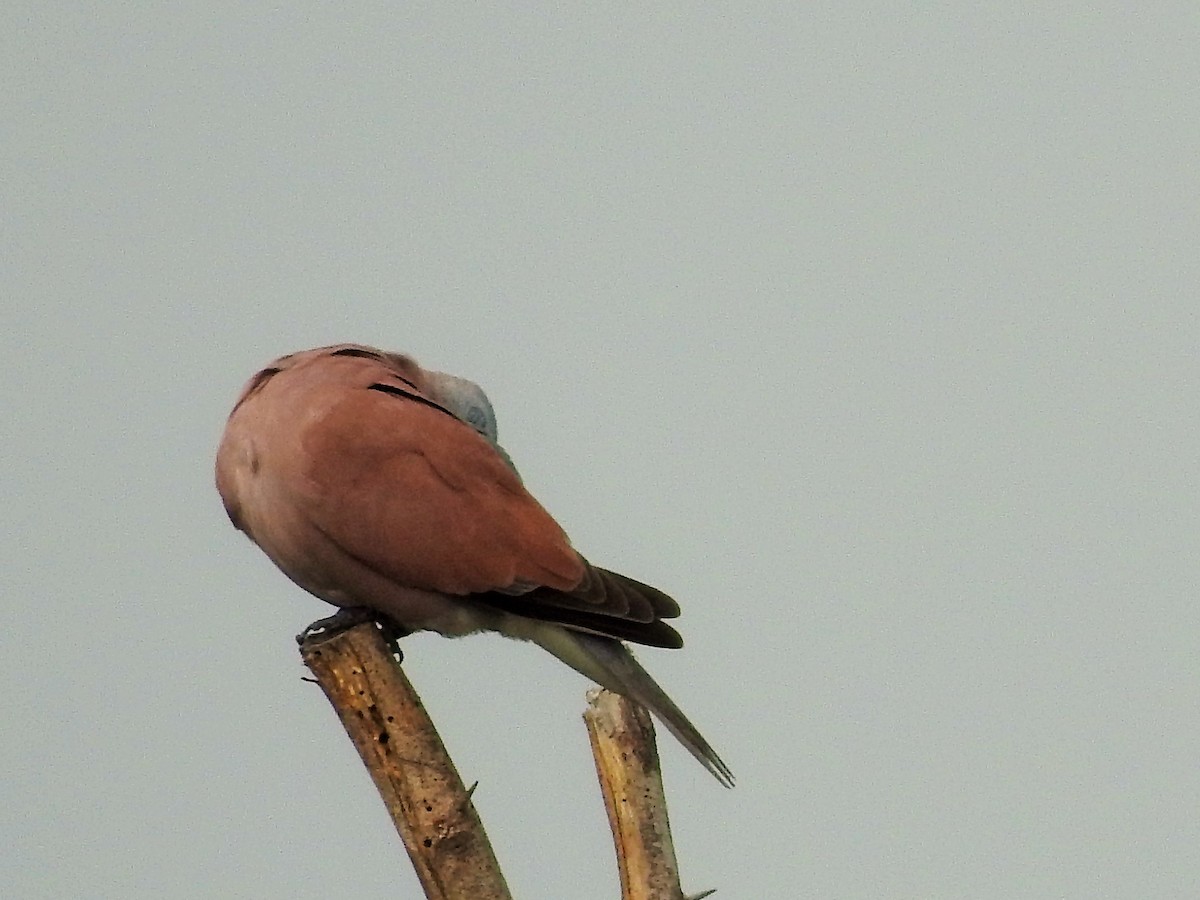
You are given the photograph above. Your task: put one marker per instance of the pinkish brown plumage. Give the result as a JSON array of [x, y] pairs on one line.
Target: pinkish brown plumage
[[370, 481]]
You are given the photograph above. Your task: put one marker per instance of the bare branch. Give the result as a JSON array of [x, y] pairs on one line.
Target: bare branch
[[401, 749], [622, 738]]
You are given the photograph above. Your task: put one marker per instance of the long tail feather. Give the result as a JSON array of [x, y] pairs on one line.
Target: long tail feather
[[610, 664]]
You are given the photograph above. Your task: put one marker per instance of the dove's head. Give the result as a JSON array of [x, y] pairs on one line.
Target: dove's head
[[465, 399]]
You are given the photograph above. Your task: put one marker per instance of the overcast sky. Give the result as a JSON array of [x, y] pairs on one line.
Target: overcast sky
[[868, 333]]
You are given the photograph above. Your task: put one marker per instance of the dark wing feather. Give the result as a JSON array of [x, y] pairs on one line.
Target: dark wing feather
[[431, 504], [605, 603]]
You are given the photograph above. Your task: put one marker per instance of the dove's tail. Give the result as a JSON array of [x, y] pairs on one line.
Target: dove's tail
[[609, 663]]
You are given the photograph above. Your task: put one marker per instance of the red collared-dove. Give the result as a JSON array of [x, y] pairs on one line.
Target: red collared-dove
[[372, 482]]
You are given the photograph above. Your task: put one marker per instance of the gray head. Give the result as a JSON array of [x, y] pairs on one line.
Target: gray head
[[467, 401]]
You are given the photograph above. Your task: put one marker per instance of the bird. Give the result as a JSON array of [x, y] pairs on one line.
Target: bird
[[375, 483]]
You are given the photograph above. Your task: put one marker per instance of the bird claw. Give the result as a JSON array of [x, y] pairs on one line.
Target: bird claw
[[350, 616], [392, 632], [342, 620]]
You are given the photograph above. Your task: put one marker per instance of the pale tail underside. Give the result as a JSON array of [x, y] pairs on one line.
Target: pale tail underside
[[609, 663]]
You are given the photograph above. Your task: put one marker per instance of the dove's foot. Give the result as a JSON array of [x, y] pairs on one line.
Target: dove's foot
[[342, 620], [392, 632], [350, 616]]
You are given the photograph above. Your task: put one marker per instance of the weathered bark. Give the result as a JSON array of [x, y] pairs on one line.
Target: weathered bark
[[622, 738], [401, 749]]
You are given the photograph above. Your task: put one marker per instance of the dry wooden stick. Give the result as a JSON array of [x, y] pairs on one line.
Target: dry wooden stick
[[622, 738], [401, 749]]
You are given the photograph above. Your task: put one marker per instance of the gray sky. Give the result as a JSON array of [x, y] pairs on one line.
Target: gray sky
[[869, 335]]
